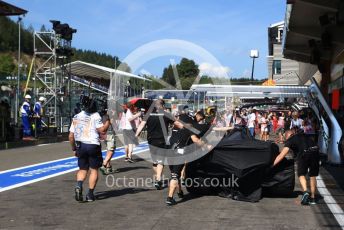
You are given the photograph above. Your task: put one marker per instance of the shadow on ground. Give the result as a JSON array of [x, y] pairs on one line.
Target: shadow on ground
[[116, 193], [126, 169]]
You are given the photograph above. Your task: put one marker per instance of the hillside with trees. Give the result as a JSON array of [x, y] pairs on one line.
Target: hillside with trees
[[187, 70], [9, 49]]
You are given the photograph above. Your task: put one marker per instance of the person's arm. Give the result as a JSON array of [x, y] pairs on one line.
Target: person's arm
[[104, 128], [198, 141], [180, 125], [133, 117], [72, 142], [100, 126], [223, 128], [139, 129], [280, 156], [71, 138]]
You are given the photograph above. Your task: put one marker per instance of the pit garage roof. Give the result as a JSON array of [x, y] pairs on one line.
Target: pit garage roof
[[80, 68], [303, 24], [7, 9], [251, 91]]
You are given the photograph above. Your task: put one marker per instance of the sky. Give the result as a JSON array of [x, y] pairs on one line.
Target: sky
[[227, 29]]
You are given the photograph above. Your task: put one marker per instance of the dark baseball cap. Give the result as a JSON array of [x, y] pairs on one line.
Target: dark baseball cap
[[201, 113]]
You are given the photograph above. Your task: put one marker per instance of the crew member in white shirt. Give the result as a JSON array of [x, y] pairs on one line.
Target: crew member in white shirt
[[25, 111], [84, 138]]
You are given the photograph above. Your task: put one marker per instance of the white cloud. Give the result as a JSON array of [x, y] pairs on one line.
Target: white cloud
[[246, 73], [213, 71]]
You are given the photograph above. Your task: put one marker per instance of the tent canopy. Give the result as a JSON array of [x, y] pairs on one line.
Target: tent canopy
[[80, 68]]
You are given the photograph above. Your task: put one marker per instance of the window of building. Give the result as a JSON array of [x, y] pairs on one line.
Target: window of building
[[276, 67], [280, 35]]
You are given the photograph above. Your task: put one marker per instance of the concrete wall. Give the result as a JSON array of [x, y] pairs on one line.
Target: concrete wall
[[289, 68]]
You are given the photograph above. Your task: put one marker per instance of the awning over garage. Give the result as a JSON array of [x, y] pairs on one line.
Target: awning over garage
[[84, 69], [251, 91], [313, 29]]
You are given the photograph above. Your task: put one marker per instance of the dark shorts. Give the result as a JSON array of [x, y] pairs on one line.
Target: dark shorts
[[89, 156], [176, 171], [157, 151], [308, 163], [129, 137]]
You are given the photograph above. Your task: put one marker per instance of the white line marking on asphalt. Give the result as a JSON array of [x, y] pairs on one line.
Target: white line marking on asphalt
[[28, 166], [54, 175], [36, 180], [47, 162], [336, 210], [43, 144]]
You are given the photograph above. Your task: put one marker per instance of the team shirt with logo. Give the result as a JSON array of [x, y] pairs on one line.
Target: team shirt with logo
[[84, 127]]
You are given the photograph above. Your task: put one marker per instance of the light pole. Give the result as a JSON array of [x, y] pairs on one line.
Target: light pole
[[204, 104], [253, 54], [18, 76], [194, 99]]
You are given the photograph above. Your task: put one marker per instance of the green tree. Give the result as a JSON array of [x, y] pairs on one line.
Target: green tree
[[168, 76], [123, 67], [205, 80], [27, 40], [187, 68], [187, 73], [246, 81], [8, 34], [43, 29], [7, 66], [9, 44]]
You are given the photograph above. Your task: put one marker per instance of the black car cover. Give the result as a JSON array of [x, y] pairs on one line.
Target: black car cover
[[238, 165], [280, 180]]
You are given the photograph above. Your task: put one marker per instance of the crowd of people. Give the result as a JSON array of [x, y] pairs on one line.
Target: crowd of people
[[172, 133], [261, 123]]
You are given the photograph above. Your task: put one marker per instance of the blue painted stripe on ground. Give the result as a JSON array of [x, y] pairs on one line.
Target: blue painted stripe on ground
[[10, 178]]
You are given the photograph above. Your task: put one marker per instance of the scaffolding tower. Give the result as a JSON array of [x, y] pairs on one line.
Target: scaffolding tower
[[49, 81]]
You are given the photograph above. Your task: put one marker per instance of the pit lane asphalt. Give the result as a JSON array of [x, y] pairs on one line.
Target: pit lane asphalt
[[50, 204]]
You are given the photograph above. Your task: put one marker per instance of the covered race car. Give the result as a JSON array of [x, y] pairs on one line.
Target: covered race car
[[239, 167]]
